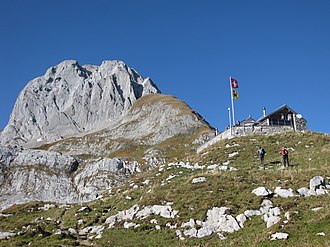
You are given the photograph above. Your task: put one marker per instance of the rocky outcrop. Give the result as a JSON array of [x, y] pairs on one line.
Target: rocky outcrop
[[36, 175], [151, 120], [71, 99]]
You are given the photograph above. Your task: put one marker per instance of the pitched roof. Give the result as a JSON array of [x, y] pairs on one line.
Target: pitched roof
[[278, 109]]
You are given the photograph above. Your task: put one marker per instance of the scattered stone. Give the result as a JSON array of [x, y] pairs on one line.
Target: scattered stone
[[169, 225], [164, 211], [146, 182], [198, 180], [232, 154], [266, 203], [92, 230], [129, 224], [204, 231], [46, 207], [178, 233], [316, 209], [170, 177], [320, 234], [6, 235], [287, 215], [241, 218], [80, 222], [39, 219], [84, 209], [262, 191], [250, 213], [190, 224], [212, 167], [5, 215], [233, 145], [221, 236], [157, 227], [58, 232], [284, 192], [315, 183], [303, 191], [321, 191], [279, 236], [272, 220], [72, 231], [154, 221], [226, 163], [219, 221], [192, 232], [223, 168]]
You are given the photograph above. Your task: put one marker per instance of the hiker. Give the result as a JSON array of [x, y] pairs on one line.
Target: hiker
[[285, 156], [261, 154]]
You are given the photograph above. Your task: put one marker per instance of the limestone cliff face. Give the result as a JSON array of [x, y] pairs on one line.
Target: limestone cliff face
[[71, 99], [36, 175], [151, 120], [102, 109]]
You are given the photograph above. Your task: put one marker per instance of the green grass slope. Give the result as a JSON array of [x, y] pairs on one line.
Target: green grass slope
[[309, 155]]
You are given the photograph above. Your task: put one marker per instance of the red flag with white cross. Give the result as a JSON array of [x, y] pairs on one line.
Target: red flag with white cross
[[234, 82]]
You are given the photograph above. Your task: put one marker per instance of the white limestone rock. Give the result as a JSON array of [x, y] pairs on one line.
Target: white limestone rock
[[178, 233], [218, 221], [303, 191], [190, 224], [315, 183], [262, 191], [72, 231], [272, 220], [250, 213], [279, 191], [241, 218], [71, 99], [6, 235], [192, 232], [204, 231], [129, 224], [164, 211], [279, 236], [198, 180]]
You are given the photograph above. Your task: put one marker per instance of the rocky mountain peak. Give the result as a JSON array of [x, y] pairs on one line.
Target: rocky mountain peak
[[72, 99]]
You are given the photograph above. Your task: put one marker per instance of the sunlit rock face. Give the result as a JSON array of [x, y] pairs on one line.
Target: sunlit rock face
[[71, 99]]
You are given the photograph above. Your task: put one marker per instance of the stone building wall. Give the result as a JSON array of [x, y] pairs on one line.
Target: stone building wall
[[301, 124], [238, 131]]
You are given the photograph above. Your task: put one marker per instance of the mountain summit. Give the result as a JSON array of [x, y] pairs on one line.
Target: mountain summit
[[71, 99]]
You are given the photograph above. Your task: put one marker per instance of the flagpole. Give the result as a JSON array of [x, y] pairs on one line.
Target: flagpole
[[229, 117], [232, 101]]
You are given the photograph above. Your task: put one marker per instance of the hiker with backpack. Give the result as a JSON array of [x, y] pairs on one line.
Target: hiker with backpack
[[285, 156], [261, 154]]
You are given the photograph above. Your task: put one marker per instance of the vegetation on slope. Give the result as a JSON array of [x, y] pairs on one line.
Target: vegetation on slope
[[309, 156]]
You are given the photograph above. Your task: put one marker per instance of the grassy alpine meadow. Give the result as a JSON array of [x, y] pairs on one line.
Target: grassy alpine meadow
[[305, 219]]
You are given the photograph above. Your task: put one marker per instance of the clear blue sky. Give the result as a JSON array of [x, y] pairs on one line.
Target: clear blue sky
[[279, 51]]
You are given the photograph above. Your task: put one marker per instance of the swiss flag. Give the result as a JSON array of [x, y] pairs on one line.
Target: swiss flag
[[234, 83]]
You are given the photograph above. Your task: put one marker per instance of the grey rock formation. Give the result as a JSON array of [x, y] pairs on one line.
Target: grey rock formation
[[30, 175], [151, 120], [316, 183], [71, 99]]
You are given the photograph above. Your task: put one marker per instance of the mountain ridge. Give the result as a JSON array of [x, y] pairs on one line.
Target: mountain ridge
[[70, 99]]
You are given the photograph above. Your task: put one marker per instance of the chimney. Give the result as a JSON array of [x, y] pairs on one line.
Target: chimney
[[264, 111]]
